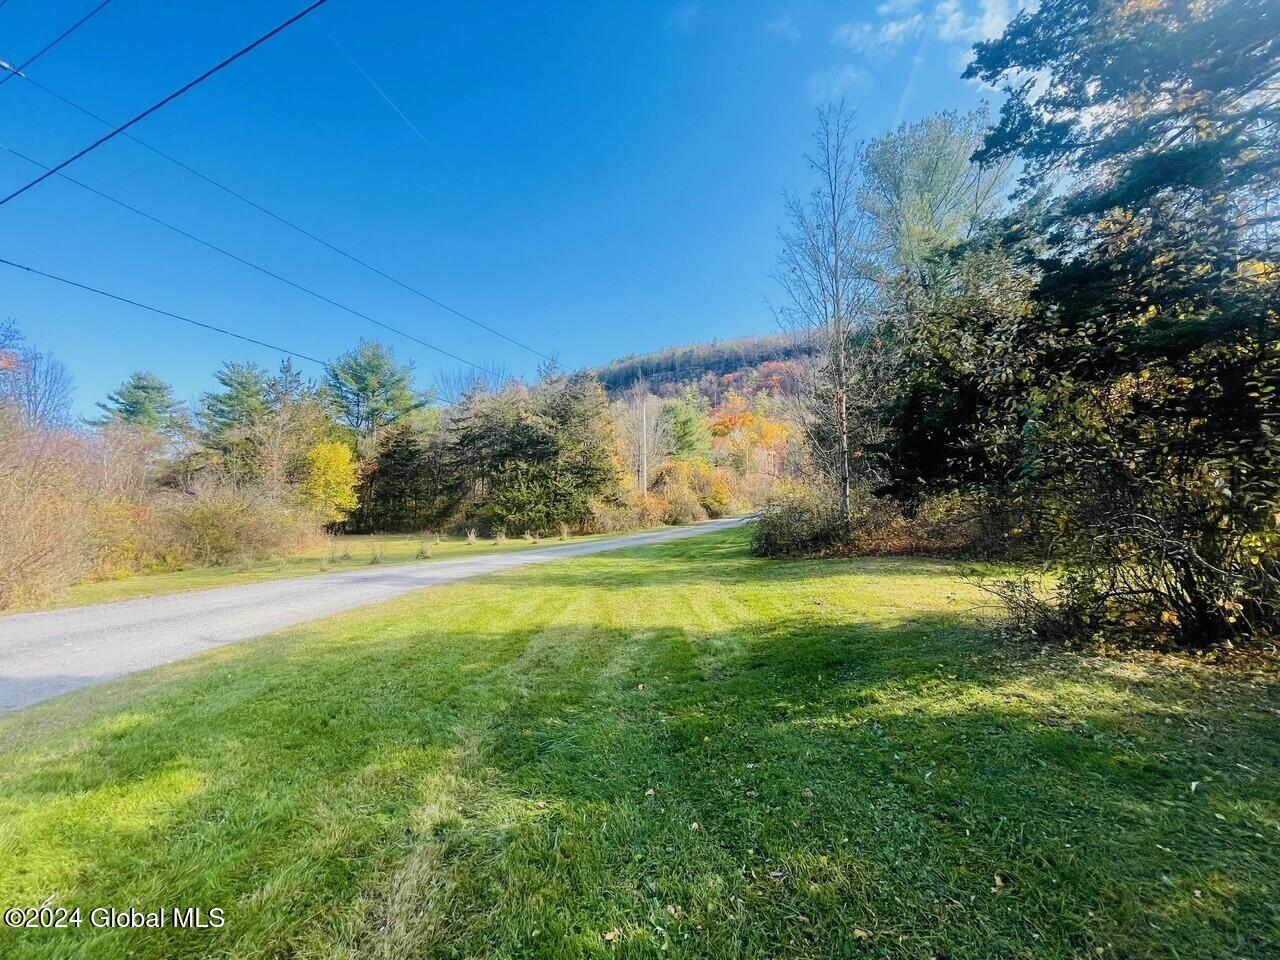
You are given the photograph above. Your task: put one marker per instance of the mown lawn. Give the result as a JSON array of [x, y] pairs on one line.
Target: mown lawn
[[340, 553], [675, 751]]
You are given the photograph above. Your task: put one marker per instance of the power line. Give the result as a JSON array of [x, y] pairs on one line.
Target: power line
[[248, 263], [51, 44], [163, 313], [116, 131], [171, 315], [291, 224]]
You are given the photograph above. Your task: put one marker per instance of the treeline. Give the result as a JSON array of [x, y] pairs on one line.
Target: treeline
[[1081, 366], [268, 461], [746, 365], [558, 454]]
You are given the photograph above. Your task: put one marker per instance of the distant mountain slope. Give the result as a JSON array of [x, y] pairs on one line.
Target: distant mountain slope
[[747, 364]]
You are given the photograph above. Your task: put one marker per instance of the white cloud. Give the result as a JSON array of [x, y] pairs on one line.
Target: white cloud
[[996, 15], [951, 21], [682, 17], [954, 24], [838, 82], [863, 37], [784, 27]]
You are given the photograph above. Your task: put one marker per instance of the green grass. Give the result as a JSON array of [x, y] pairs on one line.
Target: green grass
[[342, 553], [675, 751]]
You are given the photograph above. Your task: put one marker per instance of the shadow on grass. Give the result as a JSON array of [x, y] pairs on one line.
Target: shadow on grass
[[788, 786]]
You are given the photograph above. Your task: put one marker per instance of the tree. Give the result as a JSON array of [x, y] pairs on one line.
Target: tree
[[1139, 383], [829, 285], [923, 191], [686, 428], [371, 389], [297, 417], [330, 487], [230, 417], [745, 431], [36, 385], [531, 459], [144, 400], [227, 414], [403, 488], [644, 430]]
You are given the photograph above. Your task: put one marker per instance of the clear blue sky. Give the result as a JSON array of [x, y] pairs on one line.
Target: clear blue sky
[[597, 179]]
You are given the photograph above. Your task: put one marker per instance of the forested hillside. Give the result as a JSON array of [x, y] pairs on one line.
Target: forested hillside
[[747, 365]]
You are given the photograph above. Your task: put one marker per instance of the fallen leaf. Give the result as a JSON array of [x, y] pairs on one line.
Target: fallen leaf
[[860, 934], [612, 935]]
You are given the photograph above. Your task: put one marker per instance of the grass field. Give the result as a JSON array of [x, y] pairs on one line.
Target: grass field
[[341, 553], [673, 751]]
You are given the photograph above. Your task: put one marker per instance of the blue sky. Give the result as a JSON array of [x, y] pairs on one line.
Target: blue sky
[[596, 179]]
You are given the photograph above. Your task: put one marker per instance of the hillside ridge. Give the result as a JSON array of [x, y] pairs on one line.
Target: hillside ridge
[[770, 362]]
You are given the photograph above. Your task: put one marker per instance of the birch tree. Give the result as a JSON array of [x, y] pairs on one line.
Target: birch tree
[[829, 287]]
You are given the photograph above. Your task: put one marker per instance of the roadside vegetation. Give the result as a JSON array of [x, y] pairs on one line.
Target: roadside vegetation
[[1082, 373], [269, 465], [679, 750]]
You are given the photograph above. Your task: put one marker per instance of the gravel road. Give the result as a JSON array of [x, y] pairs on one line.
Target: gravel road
[[43, 655]]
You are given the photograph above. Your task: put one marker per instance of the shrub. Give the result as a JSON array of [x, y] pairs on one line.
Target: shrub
[[798, 521], [45, 518], [224, 524], [674, 485], [713, 488], [608, 517], [132, 537], [941, 524], [683, 507]]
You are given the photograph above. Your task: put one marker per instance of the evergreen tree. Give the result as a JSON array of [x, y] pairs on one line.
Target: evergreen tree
[[1122, 389], [401, 488], [144, 400], [687, 432], [230, 416], [371, 389]]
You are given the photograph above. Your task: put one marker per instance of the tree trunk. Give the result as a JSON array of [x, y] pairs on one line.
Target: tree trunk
[[842, 426]]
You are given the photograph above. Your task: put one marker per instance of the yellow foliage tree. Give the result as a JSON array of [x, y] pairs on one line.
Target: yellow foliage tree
[[330, 488], [746, 432]]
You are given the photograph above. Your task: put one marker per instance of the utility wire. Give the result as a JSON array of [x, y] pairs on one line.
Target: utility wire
[[248, 263], [291, 224], [51, 44], [163, 313], [171, 315], [116, 131]]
